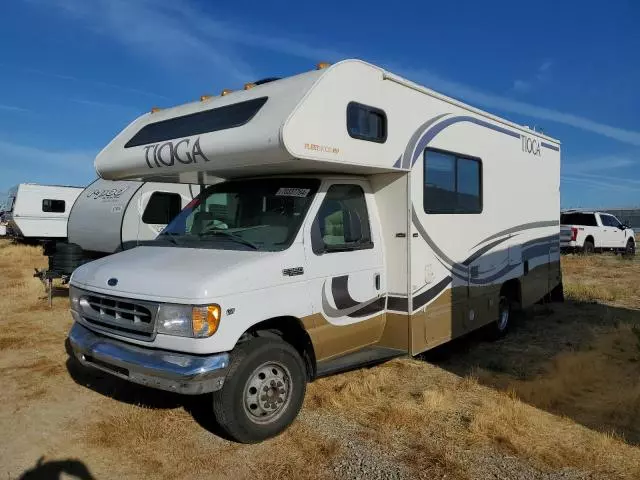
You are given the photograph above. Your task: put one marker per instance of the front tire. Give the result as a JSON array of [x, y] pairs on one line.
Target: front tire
[[630, 249], [263, 391]]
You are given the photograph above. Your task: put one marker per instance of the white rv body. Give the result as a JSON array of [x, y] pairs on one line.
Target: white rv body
[[447, 215], [40, 212]]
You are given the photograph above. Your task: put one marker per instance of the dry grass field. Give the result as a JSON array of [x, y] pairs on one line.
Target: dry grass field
[[559, 397]]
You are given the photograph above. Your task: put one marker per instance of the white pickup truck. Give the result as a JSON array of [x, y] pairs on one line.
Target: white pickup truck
[[588, 232]]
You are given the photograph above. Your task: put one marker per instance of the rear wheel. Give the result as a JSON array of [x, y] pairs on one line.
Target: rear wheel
[[588, 248], [263, 391], [630, 249], [500, 326]]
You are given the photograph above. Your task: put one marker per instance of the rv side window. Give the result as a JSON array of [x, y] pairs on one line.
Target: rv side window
[[366, 123], [162, 208], [53, 206], [342, 223], [452, 183]]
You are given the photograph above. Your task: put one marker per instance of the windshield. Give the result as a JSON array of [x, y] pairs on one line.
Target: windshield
[[261, 214]]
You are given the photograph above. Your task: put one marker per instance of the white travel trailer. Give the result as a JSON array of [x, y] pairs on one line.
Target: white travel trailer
[[363, 217], [39, 212], [110, 216], [116, 215]]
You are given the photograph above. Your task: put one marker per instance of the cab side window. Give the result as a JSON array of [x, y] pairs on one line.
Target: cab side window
[[342, 223], [606, 220], [610, 221]]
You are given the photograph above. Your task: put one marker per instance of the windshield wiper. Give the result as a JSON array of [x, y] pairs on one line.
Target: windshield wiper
[[231, 236], [170, 237]]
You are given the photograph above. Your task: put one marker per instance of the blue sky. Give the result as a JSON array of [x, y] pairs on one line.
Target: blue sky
[[75, 72]]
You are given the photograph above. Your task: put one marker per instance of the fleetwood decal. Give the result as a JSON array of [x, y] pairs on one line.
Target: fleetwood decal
[[168, 154], [321, 148]]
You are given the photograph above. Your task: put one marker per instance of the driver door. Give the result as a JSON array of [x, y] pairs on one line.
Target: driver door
[[613, 235], [345, 264]]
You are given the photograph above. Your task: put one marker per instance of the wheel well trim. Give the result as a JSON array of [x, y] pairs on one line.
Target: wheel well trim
[[303, 343]]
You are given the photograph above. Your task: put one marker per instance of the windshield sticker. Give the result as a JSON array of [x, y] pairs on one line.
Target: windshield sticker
[[293, 192]]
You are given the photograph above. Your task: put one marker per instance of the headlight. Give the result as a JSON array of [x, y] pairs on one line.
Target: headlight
[[74, 298], [188, 321]]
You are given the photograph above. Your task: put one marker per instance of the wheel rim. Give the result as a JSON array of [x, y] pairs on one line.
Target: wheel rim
[[503, 319], [630, 247], [267, 392]]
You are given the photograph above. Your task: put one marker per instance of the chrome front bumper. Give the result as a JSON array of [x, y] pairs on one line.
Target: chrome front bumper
[[172, 371]]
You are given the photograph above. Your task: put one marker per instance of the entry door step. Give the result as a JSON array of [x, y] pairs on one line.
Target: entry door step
[[361, 358]]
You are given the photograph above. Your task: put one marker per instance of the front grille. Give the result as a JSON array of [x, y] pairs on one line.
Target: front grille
[[119, 309], [122, 316]]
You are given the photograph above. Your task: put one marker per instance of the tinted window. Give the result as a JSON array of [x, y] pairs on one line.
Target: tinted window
[[366, 123], [583, 219], [54, 206], [162, 208], [342, 222], [609, 221], [452, 184], [220, 118]]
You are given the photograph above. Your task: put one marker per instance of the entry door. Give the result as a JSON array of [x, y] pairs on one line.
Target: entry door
[[345, 270]]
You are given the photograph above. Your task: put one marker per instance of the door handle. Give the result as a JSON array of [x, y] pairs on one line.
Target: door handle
[[376, 281]]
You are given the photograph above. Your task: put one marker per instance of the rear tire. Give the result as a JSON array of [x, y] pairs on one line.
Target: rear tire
[[588, 247], [499, 327], [630, 249], [557, 294], [263, 391]]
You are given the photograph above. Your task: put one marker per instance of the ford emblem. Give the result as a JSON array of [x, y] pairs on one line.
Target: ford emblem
[[112, 282]]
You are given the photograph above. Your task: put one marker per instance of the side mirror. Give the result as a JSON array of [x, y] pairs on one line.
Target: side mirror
[[623, 226]]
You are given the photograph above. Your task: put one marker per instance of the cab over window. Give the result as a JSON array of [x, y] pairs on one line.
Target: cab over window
[[342, 223], [53, 206], [452, 184], [162, 208], [366, 123]]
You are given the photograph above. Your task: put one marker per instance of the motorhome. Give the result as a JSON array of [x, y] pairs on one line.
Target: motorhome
[[362, 217], [39, 212]]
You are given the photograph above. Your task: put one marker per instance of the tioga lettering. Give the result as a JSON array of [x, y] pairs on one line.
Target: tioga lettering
[[531, 145], [168, 153]]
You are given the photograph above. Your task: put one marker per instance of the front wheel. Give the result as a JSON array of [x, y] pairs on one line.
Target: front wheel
[[263, 391], [630, 249]]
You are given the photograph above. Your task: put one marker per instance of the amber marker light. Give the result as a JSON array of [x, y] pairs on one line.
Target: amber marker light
[[205, 320]]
